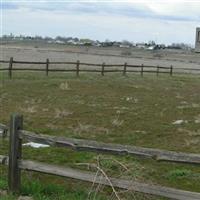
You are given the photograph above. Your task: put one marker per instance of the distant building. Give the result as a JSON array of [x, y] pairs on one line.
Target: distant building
[[141, 45], [124, 45], [197, 43], [59, 42]]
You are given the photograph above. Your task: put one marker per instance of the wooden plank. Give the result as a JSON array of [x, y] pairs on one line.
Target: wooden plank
[[142, 70], [160, 67], [114, 65], [139, 66], [90, 177], [77, 67], [150, 66], [3, 130], [28, 62], [15, 146], [65, 63], [89, 145], [90, 64], [100, 65], [3, 160], [119, 183], [28, 69], [4, 61], [47, 67], [10, 67], [171, 70], [3, 126], [96, 70], [147, 66], [125, 66]]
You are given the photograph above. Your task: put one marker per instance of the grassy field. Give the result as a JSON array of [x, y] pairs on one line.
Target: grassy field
[[115, 109]]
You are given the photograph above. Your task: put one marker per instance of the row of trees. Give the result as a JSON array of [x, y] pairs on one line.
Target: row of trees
[[46, 38], [89, 42]]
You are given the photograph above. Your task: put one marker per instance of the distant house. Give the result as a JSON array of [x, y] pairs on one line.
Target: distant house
[[124, 45], [96, 43], [59, 42], [141, 45], [197, 42], [107, 44], [72, 41], [116, 44], [151, 48]]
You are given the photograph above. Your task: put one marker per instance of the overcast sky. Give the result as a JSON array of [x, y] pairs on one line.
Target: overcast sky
[[165, 21]]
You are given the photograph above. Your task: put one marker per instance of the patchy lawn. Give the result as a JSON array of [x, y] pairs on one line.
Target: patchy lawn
[[160, 112]]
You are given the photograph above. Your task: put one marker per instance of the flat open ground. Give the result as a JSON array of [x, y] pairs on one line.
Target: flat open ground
[[127, 110], [109, 55]]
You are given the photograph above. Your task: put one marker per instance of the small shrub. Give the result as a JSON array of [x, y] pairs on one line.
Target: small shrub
[[177, 173]]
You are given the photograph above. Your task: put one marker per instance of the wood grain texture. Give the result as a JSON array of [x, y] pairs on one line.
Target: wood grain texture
[[88, 145], [119, 183], [15, 150], [130, 185]]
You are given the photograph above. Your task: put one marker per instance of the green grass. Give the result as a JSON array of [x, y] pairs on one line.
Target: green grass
[[126, 110]]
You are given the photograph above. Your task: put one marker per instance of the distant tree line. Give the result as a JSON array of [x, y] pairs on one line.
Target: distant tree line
[[88, 42]]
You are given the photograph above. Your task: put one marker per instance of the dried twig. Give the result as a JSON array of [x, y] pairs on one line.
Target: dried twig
[[118, 162], [93, 184], [105, 175]]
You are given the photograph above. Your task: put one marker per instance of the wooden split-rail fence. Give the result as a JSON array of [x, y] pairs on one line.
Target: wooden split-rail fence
[[96, 68], [99, 68], [16, 163]]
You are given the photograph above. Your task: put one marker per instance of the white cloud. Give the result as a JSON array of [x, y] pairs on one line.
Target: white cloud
[[182, 9], [134, 20]]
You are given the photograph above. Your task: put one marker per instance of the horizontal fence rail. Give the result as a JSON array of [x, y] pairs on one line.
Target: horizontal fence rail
[[108, 181], [3, 160], [3, 130], [16, 163], [101, 68], [90, 145]]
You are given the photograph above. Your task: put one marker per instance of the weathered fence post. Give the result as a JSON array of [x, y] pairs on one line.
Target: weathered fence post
[[124, 71], [142, 69], [102, 69], [10, 67], [47, 67], [157, 71], [15, 149], [171, 70], [77, 67]]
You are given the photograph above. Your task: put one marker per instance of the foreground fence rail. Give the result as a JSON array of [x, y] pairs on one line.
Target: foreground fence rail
[[16, 163]]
